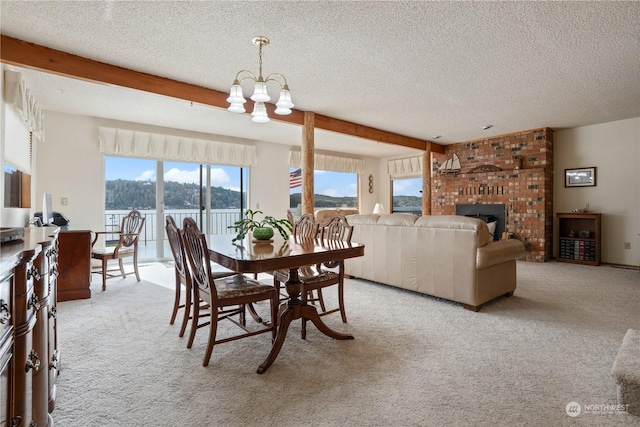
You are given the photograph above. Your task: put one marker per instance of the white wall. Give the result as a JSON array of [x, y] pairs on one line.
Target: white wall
[[368, 200], [69, 165], [614, 149]]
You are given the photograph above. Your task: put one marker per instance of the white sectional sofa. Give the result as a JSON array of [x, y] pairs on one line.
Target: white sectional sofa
[[449, 256]]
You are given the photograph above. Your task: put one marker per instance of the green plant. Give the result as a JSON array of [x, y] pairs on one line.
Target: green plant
[[249, 222]]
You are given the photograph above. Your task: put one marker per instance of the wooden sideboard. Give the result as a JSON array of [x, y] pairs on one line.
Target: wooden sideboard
[[28, 345], [74, 264]]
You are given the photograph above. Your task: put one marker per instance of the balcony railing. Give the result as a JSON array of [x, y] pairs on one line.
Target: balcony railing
[[219, 220]]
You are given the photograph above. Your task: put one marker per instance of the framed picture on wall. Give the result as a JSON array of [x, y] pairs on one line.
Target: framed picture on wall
[[583, 177]]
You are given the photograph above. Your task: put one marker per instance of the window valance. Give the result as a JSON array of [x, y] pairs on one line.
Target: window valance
[[130, 143], [411, 166], [327, 162], [25, 104]]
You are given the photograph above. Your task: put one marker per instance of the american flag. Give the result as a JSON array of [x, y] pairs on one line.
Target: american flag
[[295, 178]]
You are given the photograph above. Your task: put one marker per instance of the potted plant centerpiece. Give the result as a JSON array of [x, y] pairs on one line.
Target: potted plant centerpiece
[[261, 229]]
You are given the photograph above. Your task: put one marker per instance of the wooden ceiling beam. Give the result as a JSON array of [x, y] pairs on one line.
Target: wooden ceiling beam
[[30, 55], [366, 132]]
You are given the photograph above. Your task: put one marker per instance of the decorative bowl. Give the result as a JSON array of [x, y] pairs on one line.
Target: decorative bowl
[[262, 233]]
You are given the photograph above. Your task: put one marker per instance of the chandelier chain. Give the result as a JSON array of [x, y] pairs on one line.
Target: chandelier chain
[[260, 61]]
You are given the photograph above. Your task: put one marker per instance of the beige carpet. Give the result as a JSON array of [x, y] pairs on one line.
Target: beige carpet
[[416, 360]]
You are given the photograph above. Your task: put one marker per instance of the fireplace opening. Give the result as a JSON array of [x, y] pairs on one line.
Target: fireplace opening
[[488, 213]]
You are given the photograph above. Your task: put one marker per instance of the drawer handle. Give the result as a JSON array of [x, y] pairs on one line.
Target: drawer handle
[[33, 362], [5, 313], [33, 302], [53, 313], [16, 421], [33, 272]]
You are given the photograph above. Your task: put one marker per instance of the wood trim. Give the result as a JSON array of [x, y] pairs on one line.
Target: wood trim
[[308, 185], [30, 55], [426, 181]]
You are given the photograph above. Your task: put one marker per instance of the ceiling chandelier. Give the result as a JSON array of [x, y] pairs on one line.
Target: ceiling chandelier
[[260, 95]]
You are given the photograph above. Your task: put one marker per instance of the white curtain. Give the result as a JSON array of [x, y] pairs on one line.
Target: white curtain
[[411, 166], [25, 104], [130, 143], [325, 162], [17, 145]]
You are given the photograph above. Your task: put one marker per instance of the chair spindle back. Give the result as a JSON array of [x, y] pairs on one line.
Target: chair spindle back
[[198, 255]]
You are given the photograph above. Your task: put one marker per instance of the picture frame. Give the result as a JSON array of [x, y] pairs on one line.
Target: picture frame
[[581, 177]]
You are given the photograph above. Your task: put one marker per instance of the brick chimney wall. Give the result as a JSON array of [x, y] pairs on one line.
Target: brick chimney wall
[[524, 184]]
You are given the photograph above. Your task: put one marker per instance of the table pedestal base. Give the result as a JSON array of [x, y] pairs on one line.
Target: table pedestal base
[[292, 310]]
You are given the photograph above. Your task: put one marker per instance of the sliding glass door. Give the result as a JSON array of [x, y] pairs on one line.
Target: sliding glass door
[[130, 184], [214, 196]]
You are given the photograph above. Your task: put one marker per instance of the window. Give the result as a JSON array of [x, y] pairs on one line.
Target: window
[[332, 189], [406, 194], [17, 156]]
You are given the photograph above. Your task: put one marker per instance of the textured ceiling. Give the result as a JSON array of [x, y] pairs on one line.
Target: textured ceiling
[[414, 68]]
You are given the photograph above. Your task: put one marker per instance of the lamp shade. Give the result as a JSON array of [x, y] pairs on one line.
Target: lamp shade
[[282, 111], [378, 208], [260, 113], [236, 108], [285, 99], [235, 95], [260, 92]]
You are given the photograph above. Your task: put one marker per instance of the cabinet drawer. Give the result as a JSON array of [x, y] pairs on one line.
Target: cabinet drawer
[[6, 320]]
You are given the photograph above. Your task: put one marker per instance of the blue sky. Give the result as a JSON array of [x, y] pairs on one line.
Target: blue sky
[[334, 184]]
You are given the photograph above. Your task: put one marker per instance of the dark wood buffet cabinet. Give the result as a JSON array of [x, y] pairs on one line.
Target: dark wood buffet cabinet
[[29, 353]]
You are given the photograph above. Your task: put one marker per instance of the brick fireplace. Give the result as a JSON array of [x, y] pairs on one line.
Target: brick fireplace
[[515, 170]]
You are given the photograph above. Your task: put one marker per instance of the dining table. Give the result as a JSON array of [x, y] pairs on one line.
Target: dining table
[[253, 256]]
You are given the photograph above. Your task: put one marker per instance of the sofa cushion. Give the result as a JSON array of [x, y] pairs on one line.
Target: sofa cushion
[[397, 219], [368, 219], [457, 222]]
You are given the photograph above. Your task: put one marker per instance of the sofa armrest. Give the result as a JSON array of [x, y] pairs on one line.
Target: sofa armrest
[[498, 252]]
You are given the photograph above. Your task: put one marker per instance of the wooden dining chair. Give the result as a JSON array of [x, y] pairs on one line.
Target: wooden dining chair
[[127, 247], [306, 227], [334, 233], [227, 296], [183, 278]]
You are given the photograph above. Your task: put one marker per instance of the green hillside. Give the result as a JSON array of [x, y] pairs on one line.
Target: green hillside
[[126, 194]]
